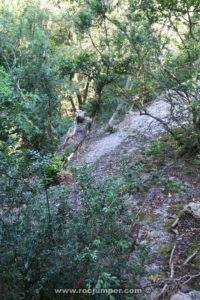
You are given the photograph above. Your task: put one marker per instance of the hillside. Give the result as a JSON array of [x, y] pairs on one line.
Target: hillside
[[99, 149], [160, 196]]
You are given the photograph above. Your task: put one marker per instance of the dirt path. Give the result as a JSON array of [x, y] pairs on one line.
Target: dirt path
[[134, 125]]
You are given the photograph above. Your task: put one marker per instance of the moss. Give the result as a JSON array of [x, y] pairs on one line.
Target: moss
[[148, 218], [154, 217], [175, 209], [181, 214], [195, 246], [165, 253], [177, 212], [168, 223], [166, 250]]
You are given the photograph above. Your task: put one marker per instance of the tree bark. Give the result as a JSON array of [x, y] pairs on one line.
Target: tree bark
[[79, 99], [72, 103], [86, 90], [120, 105]]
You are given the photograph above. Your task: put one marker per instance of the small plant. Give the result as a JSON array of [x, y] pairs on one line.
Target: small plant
[[186, 141], [67, 153], [195, 247], [110, 129], [173, 185], [155, 148], [5, 84], [139, 176], [131, 173], [54, 165], [196, 160], [166, 250], [51, 168]]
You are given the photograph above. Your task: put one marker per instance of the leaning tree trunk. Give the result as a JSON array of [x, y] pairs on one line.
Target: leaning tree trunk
[[120, 105]]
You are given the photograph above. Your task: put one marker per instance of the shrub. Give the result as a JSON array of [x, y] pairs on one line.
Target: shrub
[[62, 246], [5, 84], [54, 165], [154, 148], [186, 141], [51, 168]]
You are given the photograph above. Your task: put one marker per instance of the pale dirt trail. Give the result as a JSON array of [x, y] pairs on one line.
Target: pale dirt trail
[[134, 124]]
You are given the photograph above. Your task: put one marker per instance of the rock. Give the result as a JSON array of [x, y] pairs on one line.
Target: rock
[[144, 281], [77, 132], [193, 295], [180, 296], [185, 288], [194, 209]]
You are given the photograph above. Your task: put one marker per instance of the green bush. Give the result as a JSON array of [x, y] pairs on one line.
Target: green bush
[[62, 125], [155, 148], [186, 141], [5, 84], [52, 167], [60, 246], [55, 164]]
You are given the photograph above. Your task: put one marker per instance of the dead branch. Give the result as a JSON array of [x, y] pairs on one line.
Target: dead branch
[[144, 111], [191, 277], [171, 266], [190, 258], [175, 223]]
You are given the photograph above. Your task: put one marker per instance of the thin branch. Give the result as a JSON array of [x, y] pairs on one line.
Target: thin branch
[[190, 258], [171, 266]]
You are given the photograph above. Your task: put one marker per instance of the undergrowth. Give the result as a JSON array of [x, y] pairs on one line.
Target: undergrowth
[[57, 244]]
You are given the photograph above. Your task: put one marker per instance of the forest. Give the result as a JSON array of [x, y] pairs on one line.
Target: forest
[[99, 149]]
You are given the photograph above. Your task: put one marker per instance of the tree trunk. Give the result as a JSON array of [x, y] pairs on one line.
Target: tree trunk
[[86, 90], [72, 103], [112, 119], [79, 99]]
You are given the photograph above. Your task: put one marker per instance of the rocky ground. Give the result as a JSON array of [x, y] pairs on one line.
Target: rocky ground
[[134, 128], [172, 231]]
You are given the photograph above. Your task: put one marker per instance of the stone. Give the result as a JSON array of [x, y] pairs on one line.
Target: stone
[[193, 295], [194, 209]]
